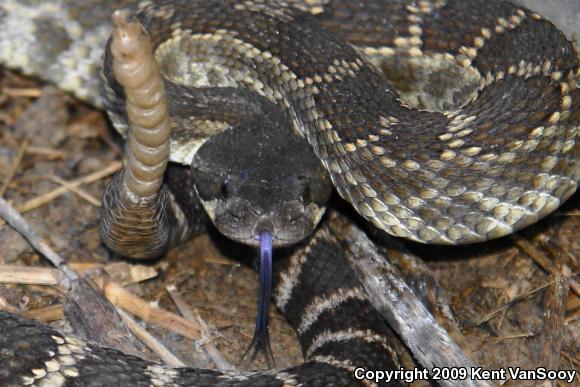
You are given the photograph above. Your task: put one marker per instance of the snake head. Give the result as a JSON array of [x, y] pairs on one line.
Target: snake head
[[261, 177]]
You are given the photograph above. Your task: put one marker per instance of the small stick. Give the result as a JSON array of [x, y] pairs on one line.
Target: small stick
[[52, 154], [16, 220], [81, 193], [136, 306], [539, 257], [114, 293], [30, 92], [184, 309], [216, 356], [46, 314], [14, 168], [121, 272], [488, 316], [574, 361], [552, 337], [50, 196], [150, 341], [6, 306], [220, 261], [511, 337], [13, 274], [571, 213], [212, 351]]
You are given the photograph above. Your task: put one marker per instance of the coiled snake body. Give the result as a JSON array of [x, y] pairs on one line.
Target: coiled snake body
[[495, 151]]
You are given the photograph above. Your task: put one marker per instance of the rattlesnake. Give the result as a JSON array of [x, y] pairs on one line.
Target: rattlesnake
[[491, 154]]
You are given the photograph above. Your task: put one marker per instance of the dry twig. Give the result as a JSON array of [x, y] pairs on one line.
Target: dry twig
[[540, 258], [212, 351], [13, 274], [52, 154], [14, 167], [50, 196], [150, 341], [78, 191], [28, 92], [121, 272], [488, 316], [136, 306], [46, 314], [10, 215], [554, 310]]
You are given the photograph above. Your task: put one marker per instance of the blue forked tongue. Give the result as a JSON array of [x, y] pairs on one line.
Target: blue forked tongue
[[261, 339]]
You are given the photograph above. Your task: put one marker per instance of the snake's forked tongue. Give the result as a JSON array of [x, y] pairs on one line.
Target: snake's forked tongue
[[261, 339]]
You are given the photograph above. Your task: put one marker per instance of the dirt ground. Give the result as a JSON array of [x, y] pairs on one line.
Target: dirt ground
[[501, 292]]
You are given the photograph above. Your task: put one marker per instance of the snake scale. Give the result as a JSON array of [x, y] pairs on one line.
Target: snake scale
[[494, 151]]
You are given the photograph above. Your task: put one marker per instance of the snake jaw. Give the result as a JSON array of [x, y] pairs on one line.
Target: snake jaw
[[288, 224]]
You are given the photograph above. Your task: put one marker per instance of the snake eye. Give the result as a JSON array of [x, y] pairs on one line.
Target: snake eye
[[230, 186], [307, 193], [225, 189], [300, 186]]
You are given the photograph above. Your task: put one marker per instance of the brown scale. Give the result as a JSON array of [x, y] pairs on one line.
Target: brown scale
[[284, 41], [440, 29], [534, 41], [365, 23]]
